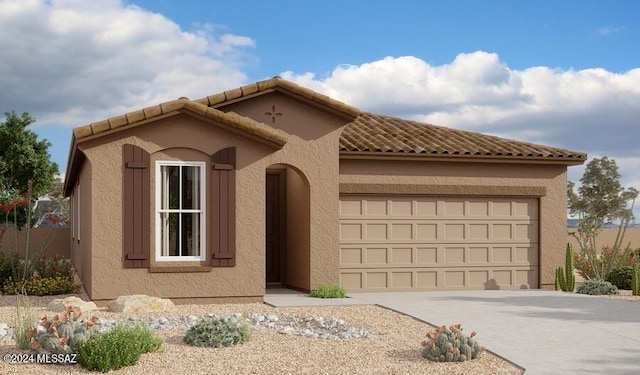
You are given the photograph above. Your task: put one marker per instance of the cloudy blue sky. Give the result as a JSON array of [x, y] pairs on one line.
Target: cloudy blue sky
[[562, 73]]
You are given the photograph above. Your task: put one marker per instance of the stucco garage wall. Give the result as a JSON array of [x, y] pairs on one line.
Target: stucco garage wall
[[548, 182]]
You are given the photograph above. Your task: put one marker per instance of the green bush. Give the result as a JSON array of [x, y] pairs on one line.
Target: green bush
[[597, 287], [621, 277], [217, 332], [41, 287], [5, 265], [64, 333], [49, 267], [120, 347], [606, 260], [449, 344], [12, 266], [329, 291]]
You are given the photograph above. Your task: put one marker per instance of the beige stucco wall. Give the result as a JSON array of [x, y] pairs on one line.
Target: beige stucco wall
[[297, 259], [47, 241], [480, 179], [608, 236], [80, 250], [313, 152]]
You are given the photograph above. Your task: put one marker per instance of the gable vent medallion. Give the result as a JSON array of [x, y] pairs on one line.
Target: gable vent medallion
[[273, 114]]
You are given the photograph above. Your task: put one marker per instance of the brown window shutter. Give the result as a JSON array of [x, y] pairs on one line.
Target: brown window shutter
[[136, 206], [223, 225]]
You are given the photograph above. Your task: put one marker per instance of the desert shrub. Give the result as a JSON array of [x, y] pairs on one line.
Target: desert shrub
[[621, 277], [217, 332], [49, 267], [604, 262], [449, 344], [63, 334], [24, 319], [36, 286], [329, 291], [597, 287], [13, 265], [8, 262], [120, 347]]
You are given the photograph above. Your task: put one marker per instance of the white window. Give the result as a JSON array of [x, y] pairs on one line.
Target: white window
[[180, 214]]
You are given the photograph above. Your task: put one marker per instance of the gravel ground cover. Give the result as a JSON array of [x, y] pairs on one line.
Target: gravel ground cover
[[394, 350]]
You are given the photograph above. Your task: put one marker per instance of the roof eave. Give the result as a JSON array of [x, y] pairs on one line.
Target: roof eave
[[70, 173], [285, 87], [234, 122], [379, 155]]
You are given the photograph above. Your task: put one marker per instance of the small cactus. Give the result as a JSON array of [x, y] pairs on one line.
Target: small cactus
[[570, 276], [561, 284], [449, 344], [63, 334], [635, 280], [565, 278]]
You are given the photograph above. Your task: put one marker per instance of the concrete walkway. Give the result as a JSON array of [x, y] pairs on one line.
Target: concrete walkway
[[545, 332]]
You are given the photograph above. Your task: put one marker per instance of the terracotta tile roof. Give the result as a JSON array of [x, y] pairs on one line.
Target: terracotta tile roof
[[280, 85], [376, 134], [367, 133], [230, 119]]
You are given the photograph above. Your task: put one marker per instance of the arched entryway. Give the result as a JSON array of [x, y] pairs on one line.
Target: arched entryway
[[287, 242]]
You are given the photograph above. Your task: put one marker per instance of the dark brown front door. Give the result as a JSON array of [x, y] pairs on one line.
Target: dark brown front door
[[274, 228]]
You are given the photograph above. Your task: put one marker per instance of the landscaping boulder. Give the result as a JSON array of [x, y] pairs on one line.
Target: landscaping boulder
[[139, 303], [60, 304]]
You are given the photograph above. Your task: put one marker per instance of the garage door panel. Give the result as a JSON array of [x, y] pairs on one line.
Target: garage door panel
[[440, 231], [426, 208], [350, 256], [351, 208], [431, 243], [401, 208], [427, 256], [449, 278], [401, 255], [376, 208]]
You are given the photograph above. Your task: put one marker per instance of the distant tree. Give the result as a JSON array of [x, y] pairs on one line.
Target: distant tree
[[24, 164], [601, 199]]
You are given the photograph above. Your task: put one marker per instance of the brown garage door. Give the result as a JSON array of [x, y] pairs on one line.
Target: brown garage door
[[437, 243]]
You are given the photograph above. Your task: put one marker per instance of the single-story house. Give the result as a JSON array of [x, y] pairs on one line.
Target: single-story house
[[272, 183]]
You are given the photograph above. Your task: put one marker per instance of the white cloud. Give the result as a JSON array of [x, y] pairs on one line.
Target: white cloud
[[607, 30], [591, 110], [74, 61]]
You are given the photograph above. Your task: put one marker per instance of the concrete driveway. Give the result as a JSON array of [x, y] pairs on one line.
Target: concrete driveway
[[545, 332]]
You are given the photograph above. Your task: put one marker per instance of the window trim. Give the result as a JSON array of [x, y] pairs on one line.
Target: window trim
[[78, 213], [203, 211]]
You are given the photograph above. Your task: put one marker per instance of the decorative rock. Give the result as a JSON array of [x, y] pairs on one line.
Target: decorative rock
[[139, 303], [272, 317], [60, 304], [259, 318], [307, 327], [286, 330]]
